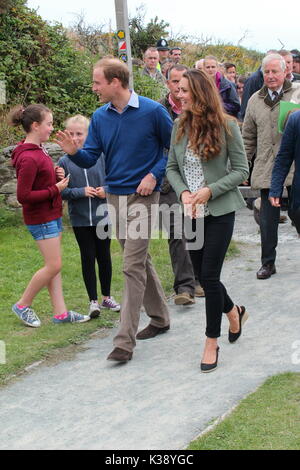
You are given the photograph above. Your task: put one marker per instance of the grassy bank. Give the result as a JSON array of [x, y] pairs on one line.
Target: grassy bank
[[268, 419]]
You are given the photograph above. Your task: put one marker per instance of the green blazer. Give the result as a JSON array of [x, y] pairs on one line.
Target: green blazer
[[222, 174]]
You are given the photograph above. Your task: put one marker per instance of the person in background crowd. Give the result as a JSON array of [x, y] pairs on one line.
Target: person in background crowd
[[296, 60], [253, 83], [290, 75], [262, 139], [175, 55], [133, 176], [151, 59], [39, 192], [163, 51], [184, 282], [226, 88], [230, 72], [240, 86], [84, 194], [199, 64], [206, 164]]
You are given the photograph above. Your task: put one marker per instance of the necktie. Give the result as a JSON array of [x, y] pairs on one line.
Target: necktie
[[274, 95]]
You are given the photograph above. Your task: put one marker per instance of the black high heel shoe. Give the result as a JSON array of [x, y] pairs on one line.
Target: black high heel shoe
[[210, 367], [243, 316]]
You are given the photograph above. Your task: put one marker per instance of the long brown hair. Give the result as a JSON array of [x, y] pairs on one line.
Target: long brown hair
[[205, 122]]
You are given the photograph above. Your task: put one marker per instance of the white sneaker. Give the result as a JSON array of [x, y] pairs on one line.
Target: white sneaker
[[94, 309]]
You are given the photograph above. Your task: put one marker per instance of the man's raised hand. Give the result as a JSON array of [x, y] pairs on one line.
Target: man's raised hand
[[66, 142]]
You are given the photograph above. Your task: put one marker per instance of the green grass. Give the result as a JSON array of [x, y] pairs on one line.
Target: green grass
[[268, 419], [19, 259]]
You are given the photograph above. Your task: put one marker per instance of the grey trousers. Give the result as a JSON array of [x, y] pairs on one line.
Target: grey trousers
[[133, 215], [181, 262]]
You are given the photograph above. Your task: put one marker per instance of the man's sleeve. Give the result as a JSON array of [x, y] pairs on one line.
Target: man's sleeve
[[164, 126], [284, 158]]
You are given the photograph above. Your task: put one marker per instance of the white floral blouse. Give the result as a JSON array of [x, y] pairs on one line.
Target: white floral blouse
[[193, 171]]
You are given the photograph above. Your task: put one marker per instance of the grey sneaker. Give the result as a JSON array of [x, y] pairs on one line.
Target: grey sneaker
[[72, 317], [27, 316], [94, 310]]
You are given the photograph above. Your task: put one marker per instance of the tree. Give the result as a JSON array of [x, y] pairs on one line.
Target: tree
[[145, 35], [39, 64]]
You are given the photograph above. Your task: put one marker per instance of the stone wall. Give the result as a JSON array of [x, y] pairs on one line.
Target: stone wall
[[8, 181]]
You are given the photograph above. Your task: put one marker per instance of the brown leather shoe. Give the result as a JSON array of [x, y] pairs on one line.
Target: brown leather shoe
[[151, 331], [199, 292], [119, 355], [266, 271], [184, 298]]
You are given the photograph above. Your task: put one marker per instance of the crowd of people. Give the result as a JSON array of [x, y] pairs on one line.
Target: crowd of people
[[187, 154]]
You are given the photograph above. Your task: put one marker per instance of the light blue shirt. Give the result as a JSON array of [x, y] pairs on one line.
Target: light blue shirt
[[133, 102]]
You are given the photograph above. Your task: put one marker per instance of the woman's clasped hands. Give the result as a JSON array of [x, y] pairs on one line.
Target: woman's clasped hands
[[194, 202]]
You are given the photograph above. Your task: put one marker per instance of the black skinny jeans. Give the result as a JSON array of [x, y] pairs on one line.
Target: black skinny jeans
[[208, 262], [93, 248]]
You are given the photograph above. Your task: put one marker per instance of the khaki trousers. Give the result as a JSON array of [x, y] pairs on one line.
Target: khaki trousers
[[132, 216]]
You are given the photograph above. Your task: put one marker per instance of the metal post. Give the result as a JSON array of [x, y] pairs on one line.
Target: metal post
[[124, 46]]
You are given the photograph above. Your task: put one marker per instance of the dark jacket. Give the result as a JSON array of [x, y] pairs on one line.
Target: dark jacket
[[254, 83], [229, 97], [84, 211], [165, 102], [289, 152]]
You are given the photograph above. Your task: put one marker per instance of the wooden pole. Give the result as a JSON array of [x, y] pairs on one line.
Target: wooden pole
[[124, 46]]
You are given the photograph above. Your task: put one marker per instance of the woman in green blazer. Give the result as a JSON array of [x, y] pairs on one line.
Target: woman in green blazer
[[206, 163]]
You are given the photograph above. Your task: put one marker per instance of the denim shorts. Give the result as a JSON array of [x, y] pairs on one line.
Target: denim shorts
[[50, 229]]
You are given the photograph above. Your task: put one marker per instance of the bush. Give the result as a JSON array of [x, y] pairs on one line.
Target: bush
[[39, 64], [147, 86]]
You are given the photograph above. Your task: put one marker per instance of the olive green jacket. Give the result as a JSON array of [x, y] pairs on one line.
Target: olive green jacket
[[222, 174]]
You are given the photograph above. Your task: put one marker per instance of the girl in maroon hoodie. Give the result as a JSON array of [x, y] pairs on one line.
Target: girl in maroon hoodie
[[38, 190]]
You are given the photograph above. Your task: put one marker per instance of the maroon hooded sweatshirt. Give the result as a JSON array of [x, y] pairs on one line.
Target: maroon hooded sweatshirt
[[36, 188]]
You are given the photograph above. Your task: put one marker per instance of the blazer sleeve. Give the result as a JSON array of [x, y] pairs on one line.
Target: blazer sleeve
[[174, 174], [284, 158], [239, 169]]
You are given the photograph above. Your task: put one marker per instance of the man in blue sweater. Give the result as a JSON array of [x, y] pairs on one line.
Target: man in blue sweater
[[132, 131]]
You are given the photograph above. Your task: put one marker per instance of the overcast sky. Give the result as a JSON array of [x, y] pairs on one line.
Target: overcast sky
[[265, 25]]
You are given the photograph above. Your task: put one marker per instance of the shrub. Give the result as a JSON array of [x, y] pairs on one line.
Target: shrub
[[39, 64]]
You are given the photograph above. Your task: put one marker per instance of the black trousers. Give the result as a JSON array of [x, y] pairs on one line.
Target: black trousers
[[94, 249], [268, 221], [180, 259], [208, 262]]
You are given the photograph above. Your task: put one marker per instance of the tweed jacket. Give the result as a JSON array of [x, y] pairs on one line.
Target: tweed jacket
[[222, 174], [260, 132]]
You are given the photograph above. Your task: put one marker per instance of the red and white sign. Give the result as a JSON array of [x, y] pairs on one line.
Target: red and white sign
[[122, 46]]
